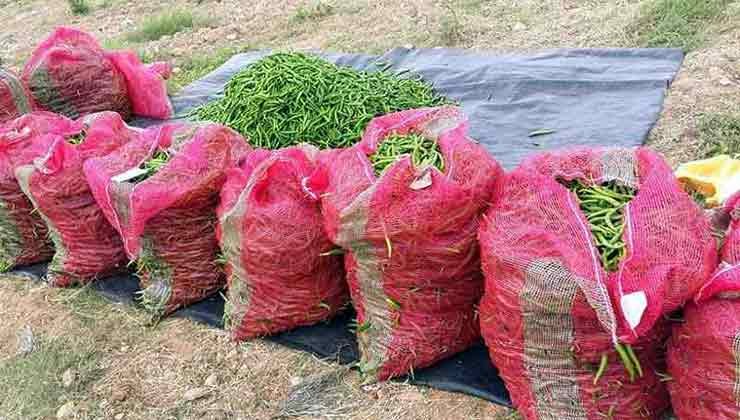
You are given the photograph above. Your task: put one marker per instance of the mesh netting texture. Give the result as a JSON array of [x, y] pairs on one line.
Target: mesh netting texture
[[168, 220], [281, 270], [410, 236], [15, 99], [86, 245], [23, 234], [704, 351], [550, 312], [71, 74]]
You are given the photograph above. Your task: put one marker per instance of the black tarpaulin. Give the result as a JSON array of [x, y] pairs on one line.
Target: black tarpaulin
[[592, 97]]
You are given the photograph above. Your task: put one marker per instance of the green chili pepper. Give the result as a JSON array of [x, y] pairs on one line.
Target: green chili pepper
[[635, 360], [602, 368], [423, 152], [288, 98], [626, 360], [603, 205]]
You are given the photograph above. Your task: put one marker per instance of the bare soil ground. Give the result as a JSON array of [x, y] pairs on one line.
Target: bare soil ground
[[123, 369]]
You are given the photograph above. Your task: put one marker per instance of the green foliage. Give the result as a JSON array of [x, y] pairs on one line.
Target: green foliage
[[79, 7], [720, 134], [315, 11], [169, 23], [451, 30], [196, 66], [677, 23], [31, 386]]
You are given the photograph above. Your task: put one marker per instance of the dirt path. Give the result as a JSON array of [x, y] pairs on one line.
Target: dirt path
[[181, 370]]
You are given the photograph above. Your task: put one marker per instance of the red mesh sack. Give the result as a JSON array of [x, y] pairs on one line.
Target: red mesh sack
[[69, 73], [147, 89], [704, 351], [550, 312], [412, 260], [23, 235], [15, 100], [86, 245], [281, 271], [168, 220]]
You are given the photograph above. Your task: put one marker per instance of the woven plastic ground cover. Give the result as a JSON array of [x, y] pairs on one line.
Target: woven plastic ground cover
[[281, 271], [168, 220], [15, 99], [412, 261], [86, 245], [71, 74], [704, 351], [23, 234], [550, 311]]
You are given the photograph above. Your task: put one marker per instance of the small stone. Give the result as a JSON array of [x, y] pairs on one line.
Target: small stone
[[231, 37], [124, 349], [68, 378], [26, 340], [519, 26], [195, 394], [176, 70], [66, 411], [725, 82], [409, 46], [212, 380], [411, 396], [118, 416], [295, 381], [119, 394]]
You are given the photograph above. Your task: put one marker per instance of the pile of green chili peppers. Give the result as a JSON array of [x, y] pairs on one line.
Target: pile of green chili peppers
[[290, 98], [603, 205], [423, 152]]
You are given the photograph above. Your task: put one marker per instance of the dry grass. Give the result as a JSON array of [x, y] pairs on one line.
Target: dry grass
[[148, 372]]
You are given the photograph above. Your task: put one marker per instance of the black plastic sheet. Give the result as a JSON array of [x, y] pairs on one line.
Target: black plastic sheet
[[594, 97]]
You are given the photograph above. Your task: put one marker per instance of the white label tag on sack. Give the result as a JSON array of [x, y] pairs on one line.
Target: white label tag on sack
[[422, 181], [633, 307], [130, 174]]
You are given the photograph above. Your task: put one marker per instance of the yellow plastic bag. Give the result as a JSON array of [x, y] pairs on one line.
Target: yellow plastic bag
[[716, 178]]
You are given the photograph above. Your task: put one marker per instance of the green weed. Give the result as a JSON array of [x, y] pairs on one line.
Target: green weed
[[85, 304], [314, 11], [196, 66], [79, 7], [31, 385], [155, 27], [719, 134], [677, 23], [451, 28]]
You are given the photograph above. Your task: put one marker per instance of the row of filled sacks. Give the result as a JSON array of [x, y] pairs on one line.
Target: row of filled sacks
[[558, 324], [577, 337], [704, 350], [302, 231], [71, 74]]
